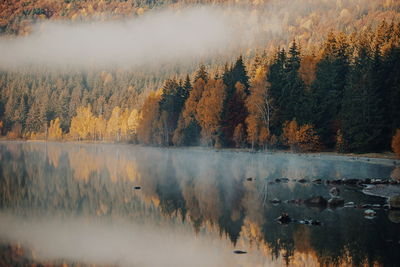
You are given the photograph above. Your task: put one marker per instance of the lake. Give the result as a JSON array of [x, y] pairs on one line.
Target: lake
[[124, 205]]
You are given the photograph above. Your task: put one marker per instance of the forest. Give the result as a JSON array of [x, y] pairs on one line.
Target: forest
[[309, 90]]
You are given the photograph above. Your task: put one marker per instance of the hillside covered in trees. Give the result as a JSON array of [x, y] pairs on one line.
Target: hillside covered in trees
[[327, 79]]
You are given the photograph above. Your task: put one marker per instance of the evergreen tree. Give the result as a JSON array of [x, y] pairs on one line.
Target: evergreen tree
[[234, 111], [328, 87], [362, 113]]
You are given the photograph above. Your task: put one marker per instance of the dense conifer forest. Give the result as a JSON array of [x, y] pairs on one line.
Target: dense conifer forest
[[331, 82]]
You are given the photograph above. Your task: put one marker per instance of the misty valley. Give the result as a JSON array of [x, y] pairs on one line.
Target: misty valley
[[120, 205], [152, 133]]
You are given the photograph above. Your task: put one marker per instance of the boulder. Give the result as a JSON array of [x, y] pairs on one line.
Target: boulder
[[369, 213], [351, 181], [284, 218], [239, 252], [317, 201], [275, 201], [302, 180], [334, 191]]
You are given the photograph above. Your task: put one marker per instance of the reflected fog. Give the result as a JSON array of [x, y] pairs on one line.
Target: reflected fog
[[138, 206]]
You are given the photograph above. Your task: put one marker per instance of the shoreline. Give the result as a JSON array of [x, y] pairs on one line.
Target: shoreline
[[387, 158]]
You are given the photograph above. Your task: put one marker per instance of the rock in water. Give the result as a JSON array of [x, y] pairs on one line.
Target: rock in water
[[349, 205], [381, 190], [351, 181], [302, 181], [369, 213], [275, 201], [336, 202], [334, 191], [394, 202], [317, 201], [239, 252], [284, 218], [249, 179]]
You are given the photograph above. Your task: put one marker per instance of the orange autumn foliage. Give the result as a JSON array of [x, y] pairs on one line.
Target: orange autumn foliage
[[209, 108], [303, 139], [396, 143]]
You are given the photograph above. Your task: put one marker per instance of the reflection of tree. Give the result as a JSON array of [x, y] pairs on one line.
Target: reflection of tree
[[395, 175], [202, 188]]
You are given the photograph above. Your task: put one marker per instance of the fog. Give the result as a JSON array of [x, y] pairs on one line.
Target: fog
[[105, 242], [155, 38]]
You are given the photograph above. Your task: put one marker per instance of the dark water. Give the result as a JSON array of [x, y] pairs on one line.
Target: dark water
[[75, 203]]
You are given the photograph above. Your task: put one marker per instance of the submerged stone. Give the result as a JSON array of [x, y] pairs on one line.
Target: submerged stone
[[284, 218], [351, 181], [334, 191], [275, 201], [316, 201], [302, 180], [369, 213], [349, 205], [239, 252], [336, 202]]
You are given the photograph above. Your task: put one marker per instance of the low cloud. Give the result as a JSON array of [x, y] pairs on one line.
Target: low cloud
[[155, 38]]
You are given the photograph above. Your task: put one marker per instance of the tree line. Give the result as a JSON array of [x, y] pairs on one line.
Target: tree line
[[344, 95]]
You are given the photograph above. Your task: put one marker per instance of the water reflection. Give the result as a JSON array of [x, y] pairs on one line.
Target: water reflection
[[194, 207]]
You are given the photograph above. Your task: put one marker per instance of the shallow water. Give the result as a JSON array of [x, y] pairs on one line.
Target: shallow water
[[77, 203]]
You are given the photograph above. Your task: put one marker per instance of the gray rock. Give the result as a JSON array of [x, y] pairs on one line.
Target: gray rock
[[239, 252], [370, 213], [275, 201], [334, 191], [317, 201]]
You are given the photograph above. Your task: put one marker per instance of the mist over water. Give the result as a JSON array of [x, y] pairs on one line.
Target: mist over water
[[77, 203], [158, 37]]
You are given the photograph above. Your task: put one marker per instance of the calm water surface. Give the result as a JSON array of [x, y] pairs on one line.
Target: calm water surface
[[77, 204]]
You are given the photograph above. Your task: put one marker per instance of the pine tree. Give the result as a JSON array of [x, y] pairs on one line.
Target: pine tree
[[362, 113], [328, 87], [234, 110]]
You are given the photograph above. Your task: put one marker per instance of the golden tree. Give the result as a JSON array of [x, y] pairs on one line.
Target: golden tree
[[54, 131], [113, 129], [307, 139], [133, 123], [148, 130], [83, 124], [258, 107], [303, 138], [100, 128], [209, 108], [289, 133]]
